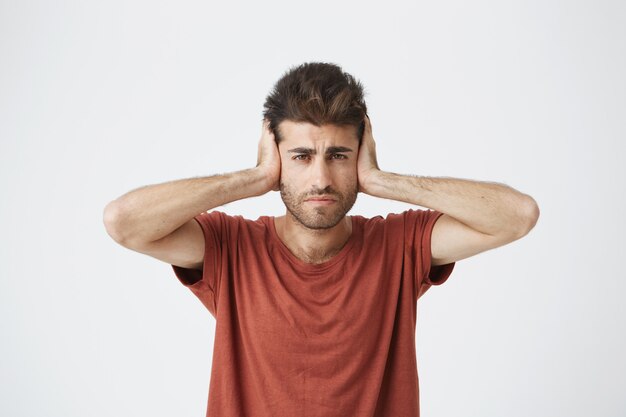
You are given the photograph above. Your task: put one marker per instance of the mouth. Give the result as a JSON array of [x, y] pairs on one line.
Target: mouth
[[320, 200]]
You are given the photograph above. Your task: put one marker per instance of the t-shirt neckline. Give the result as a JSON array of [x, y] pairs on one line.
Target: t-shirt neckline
[[305, 266]]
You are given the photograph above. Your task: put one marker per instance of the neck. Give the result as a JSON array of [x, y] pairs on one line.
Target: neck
[[312, 245]]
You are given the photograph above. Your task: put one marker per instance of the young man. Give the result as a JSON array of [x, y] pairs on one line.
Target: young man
[[316, 310]]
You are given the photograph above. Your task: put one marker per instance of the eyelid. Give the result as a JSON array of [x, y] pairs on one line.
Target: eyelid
[[307, 156]]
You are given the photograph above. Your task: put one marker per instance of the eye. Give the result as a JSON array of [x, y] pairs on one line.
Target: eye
[[338, 156], [301, 157]]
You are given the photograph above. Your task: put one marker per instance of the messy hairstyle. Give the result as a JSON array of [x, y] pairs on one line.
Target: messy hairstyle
[[318, 93]]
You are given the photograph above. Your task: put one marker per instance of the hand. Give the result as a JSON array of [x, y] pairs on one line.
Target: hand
[[367, 166], [268, 158]]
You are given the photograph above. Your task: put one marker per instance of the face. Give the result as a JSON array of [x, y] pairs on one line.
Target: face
[[318, 181]]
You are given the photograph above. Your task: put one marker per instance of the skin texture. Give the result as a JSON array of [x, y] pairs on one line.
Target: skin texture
[[318, 161], [318, 185], [478, 216]]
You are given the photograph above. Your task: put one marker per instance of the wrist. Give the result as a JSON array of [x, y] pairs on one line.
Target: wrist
[[264, 178], [373, 183]]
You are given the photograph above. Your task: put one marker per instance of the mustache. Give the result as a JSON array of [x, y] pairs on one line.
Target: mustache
[[326, 191]]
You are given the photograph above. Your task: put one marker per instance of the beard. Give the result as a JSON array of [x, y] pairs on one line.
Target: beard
[[320, 217]]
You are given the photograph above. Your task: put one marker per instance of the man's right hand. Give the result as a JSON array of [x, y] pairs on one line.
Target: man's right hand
[[268, 158]]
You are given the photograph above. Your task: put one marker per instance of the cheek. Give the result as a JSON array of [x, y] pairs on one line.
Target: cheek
[[289, 168], [294, 174], [289, 178], [349, 173]]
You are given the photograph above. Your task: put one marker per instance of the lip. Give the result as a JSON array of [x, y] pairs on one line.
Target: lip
[[320, 200]]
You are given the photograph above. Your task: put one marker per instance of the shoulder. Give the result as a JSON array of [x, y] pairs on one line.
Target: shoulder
[[390, 219], [233, 224], [407, 222], [376, 227]]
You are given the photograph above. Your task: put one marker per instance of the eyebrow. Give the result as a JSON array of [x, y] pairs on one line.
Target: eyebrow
[[311, 151]]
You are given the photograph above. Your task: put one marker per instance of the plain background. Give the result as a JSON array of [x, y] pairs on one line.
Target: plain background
[[98, 98]]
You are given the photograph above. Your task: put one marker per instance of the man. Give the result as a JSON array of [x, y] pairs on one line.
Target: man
[[316, 310]]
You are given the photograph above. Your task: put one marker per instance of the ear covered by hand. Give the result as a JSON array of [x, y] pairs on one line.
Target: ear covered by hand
[[367, 165], [268, 157]]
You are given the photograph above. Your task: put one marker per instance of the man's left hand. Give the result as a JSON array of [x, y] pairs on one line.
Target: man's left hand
[[367, 166]]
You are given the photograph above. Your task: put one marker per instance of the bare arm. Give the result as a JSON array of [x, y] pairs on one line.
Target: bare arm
[[487, 207], [477, 215], [153, 212]]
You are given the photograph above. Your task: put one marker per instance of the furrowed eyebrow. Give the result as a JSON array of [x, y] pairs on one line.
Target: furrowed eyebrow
[[338, 149], [310, 151]]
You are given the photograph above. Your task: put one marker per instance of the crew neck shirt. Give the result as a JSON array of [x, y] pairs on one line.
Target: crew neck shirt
[[334, 339]]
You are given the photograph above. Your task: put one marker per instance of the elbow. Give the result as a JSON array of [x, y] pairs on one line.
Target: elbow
[[529, 217], [110, 217]]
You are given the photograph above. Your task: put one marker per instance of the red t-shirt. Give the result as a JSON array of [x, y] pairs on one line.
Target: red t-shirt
[[318, 340]]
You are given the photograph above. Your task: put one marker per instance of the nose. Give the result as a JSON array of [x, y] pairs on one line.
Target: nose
[[321, 176]]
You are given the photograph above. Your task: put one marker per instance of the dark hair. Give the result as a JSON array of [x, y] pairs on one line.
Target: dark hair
[[318, 93]]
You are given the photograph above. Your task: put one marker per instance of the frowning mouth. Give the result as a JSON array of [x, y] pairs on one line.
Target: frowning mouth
[[320, 200]]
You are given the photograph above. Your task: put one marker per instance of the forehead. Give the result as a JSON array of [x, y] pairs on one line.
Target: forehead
[[303, 133]]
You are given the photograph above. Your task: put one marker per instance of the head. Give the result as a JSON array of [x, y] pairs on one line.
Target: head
[[316, 113]]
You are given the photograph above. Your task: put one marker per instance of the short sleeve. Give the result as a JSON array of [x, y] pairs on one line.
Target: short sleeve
[[205, 284], [418, 228]]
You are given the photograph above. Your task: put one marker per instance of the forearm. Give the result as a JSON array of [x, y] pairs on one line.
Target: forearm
[[487, 207], [151, 212]]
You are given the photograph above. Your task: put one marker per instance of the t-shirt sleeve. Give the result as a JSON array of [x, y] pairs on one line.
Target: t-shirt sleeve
[[418, 228], [205, 284]]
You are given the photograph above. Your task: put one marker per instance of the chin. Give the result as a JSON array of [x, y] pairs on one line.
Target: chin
[[317, 220]]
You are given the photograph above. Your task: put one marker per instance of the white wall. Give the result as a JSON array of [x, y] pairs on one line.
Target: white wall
[[98, 98]]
